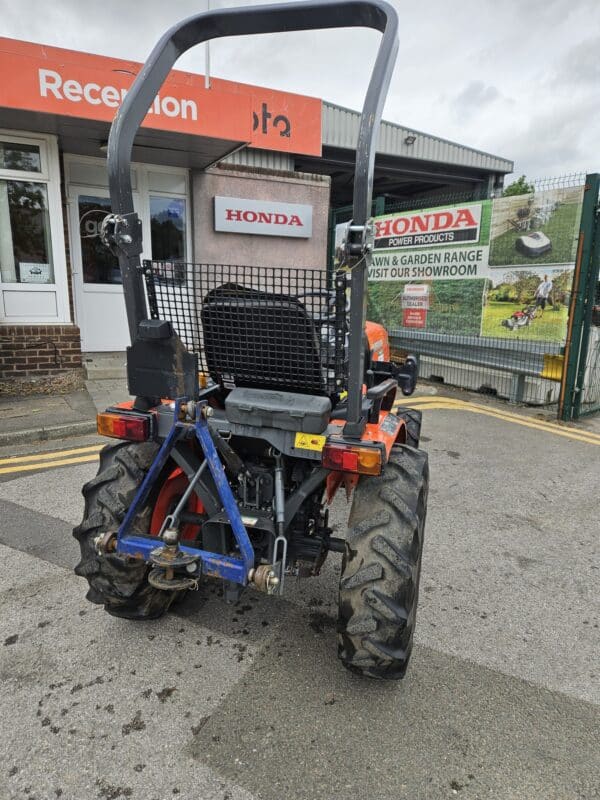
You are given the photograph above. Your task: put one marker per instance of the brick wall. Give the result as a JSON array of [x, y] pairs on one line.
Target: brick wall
[[37, 351]]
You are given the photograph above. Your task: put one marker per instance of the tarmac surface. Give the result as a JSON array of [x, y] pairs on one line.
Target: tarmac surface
[[249, 701]]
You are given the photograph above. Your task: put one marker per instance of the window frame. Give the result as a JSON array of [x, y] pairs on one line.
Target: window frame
[[51, 178]]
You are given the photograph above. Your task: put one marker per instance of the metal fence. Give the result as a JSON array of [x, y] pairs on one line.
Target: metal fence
[[497, 329]]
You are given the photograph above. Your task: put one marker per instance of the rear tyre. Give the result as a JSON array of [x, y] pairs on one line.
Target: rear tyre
[[379, 584], [120, 584], [412, 420]]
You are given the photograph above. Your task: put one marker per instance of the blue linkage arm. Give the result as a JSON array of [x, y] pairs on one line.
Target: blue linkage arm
[[229, 504]]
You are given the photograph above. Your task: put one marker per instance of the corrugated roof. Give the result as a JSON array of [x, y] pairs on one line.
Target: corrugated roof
[[265, 159], [340, 129]]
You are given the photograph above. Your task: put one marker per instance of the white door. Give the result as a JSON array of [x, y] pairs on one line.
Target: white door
[[99, 300]]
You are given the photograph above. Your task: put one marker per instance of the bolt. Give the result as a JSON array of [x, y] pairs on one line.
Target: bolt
[[170, 536]]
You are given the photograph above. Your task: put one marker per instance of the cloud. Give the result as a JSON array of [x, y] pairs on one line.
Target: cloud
[[519, 79], [580, 66], [474, 97]]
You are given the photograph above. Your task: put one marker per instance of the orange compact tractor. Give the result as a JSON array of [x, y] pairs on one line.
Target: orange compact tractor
[[259, 393]]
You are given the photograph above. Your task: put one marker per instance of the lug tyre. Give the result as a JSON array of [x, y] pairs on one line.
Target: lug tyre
[[412, 420], [379, 584], [120, 584]]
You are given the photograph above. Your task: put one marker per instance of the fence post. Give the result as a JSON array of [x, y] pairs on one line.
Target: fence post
[[580, 307], [589, 295]]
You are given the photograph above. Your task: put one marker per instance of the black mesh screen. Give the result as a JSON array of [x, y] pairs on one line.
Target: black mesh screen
[[256, 326]]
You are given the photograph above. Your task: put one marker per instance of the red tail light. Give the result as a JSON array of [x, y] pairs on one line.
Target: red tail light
[[353, 458], [133, 427]]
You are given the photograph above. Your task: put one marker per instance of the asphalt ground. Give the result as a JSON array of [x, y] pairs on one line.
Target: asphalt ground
[[249, 701]]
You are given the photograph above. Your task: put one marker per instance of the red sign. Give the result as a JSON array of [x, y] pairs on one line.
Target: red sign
[[73, 84], [414, 317]]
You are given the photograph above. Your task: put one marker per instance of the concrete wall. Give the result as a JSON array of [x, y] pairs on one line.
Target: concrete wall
[[250, 183]]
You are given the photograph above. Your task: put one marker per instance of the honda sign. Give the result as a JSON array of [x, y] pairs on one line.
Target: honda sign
[[263, 217]]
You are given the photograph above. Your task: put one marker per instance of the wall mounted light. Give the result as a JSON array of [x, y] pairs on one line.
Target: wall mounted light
[[410, 139]]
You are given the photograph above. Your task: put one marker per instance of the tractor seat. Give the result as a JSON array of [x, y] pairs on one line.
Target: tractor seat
[[289, 411], [261, 340]]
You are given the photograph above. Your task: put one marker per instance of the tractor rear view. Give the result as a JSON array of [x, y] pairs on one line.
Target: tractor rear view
[[260, 393]]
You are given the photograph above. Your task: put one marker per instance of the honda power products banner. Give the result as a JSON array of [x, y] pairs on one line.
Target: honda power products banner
[[498, 268]]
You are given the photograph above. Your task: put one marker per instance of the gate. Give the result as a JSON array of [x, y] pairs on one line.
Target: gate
[[580, 391]]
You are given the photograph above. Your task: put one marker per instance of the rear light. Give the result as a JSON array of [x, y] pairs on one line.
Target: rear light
[[133, 427], [353, 458]]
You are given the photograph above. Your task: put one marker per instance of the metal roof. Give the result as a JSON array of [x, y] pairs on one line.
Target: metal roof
[[340, 129]]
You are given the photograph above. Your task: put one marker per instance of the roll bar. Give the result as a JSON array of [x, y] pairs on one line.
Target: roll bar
[[123, 229]]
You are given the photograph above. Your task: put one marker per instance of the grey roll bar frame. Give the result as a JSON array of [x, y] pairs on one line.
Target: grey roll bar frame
[[123, 228]]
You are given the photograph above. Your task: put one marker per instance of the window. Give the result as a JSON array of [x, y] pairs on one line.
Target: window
[[99, 264], [168, 228], [33, 269], [25, 247], [19, 156]]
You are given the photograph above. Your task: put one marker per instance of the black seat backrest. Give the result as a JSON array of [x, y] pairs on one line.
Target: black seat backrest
[[263, 340]]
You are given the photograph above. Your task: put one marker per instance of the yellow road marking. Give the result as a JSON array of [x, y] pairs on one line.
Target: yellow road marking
[[437, 402], [51, 455], [508, 415], [49, 464]]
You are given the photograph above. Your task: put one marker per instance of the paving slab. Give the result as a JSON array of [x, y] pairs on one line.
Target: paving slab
[[41, 417], [99, 707], [450, 729]]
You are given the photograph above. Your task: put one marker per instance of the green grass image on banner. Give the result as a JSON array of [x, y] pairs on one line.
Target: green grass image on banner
[[561, 229], [455, 306], [551, 327]]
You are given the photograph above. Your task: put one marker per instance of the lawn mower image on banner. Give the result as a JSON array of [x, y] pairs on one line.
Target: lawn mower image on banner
[[520, 319], [533, 244], [259, 393]]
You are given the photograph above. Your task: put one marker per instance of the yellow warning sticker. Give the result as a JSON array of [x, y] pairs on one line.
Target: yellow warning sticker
[[309, 441]]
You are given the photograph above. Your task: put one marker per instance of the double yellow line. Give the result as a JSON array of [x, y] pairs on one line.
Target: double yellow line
[[431, 402], [59, 458]]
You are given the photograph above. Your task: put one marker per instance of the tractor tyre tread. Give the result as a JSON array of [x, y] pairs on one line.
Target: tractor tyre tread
[[412, 419], [379, 584], [120, 584]]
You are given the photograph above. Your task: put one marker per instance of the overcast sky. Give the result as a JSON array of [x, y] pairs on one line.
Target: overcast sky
[[517, 78]]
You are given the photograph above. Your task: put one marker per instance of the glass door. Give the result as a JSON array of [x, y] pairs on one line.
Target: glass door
[[99, 301], [160, 198]]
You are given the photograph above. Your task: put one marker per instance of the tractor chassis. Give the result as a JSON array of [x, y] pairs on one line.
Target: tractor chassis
[[180, 566]]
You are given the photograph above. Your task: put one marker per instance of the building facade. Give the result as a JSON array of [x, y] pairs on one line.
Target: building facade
[[232, 174]]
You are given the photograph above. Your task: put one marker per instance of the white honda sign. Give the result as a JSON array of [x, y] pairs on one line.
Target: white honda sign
[[263, 217]]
